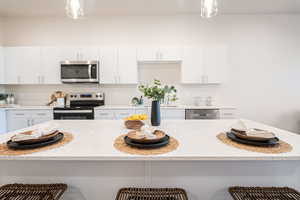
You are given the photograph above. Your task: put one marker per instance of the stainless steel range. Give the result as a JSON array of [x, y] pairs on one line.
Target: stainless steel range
[[80, 106]]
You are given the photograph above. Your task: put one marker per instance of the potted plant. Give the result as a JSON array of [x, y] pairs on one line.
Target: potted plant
[[157, 93]]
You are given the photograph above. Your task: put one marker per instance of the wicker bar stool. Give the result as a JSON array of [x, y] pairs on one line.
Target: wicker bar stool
[[32, 191], [264, 193], [151, 194]]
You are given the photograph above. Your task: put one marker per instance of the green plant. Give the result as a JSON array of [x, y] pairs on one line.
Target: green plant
[[2, 97], [157, 92]]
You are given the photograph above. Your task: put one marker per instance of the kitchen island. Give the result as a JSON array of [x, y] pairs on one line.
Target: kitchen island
[[202, 165]]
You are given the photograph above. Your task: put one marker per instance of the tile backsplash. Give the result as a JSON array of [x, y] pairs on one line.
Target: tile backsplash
[[114, 94]]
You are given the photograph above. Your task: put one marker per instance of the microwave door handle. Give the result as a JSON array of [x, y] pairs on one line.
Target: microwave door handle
[[90, 71]]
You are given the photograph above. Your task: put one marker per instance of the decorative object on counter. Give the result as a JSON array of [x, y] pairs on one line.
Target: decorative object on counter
[[32, 191], [6, 151], [152, 194], [209, 101], [281, 147], [120, 145], [3, 99], [255, 193], [157, 93], [58, 98], [198, 101], [135, 122], [137, 101]]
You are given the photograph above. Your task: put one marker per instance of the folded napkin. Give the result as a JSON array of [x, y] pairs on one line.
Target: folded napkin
[[242, 128], [41, 130]]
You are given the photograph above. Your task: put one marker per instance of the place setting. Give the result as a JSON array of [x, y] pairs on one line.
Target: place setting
[[143, 139], [253, 139], [40, 138]]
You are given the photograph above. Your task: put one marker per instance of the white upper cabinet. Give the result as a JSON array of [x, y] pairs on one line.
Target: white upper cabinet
[[79, 53], [118, 65], [22, 65], [192, 65], [88, 53], [215, 64], [160, 54], [204, 65], [127, 66], [2, 66], [108, 65], [51, 58]]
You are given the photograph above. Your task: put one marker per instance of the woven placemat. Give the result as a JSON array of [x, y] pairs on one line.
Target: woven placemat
[[123, 147], [282, 147], [5, 151]]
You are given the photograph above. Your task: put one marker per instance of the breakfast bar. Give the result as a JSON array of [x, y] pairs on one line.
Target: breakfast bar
[[202, 164]]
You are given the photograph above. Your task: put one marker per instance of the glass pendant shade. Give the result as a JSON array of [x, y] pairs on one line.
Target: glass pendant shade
[[74, 8], [209, 8]]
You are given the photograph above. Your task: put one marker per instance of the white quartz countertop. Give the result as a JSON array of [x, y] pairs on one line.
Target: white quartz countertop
[[179, 107], [93, 140]]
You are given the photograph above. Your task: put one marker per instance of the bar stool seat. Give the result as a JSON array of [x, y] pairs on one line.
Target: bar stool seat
[[151, 194], [264, 193], [32, 191]]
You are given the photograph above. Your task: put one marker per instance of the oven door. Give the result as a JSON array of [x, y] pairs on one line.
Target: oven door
[[73, 114], [79, 72]]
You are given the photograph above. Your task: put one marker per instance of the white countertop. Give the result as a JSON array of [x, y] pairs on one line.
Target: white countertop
[[118, 107], [93, 140], [179, 107]]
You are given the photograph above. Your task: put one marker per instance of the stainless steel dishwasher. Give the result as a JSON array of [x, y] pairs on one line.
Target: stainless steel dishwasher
[[202, 114]]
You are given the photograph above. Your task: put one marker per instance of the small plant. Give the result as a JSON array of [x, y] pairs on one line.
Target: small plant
[[3, 97], [157, 92]]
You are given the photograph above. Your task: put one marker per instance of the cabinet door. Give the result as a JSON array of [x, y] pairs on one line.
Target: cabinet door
[[108, 65], [51, 58], [2, 66], [41, 116], [88, 53], [104, 114], [170, 54], [121, 114], [17, 120], [68, 53], [2, 121], [23, 65], [227, 113], [192, 65], [171, 114], [215, 64], [148, 54], [127, 66]]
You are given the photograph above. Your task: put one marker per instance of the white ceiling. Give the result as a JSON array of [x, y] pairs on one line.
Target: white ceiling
[[146, 7]]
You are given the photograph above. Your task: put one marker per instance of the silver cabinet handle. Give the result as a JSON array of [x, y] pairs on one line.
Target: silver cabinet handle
[[28, 123], [32, 122]]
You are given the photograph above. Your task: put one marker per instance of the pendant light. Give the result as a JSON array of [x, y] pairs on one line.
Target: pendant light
[[74, 8], [209, 8]]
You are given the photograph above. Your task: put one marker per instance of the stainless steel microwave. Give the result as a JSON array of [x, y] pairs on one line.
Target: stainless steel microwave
[[79, 71]]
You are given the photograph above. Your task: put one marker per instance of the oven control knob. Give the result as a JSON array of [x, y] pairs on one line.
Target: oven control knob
[[71, 96]]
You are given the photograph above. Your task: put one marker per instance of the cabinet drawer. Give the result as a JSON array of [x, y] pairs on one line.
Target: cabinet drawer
[[43, 113], [104, 114], [173, 114], [227, 114], [18, 113], [121, 114]]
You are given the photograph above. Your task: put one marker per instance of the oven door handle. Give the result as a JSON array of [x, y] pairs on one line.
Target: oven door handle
[[73, 111]]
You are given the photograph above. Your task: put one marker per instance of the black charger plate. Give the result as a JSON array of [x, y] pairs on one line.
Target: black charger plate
[[15, 145], [162, 143], [267, 143]]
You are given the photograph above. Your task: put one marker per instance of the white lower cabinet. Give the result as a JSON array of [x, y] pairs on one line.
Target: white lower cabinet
[[118, 114], [170, 114], [227, 113], [18, 119], [3, 121]]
